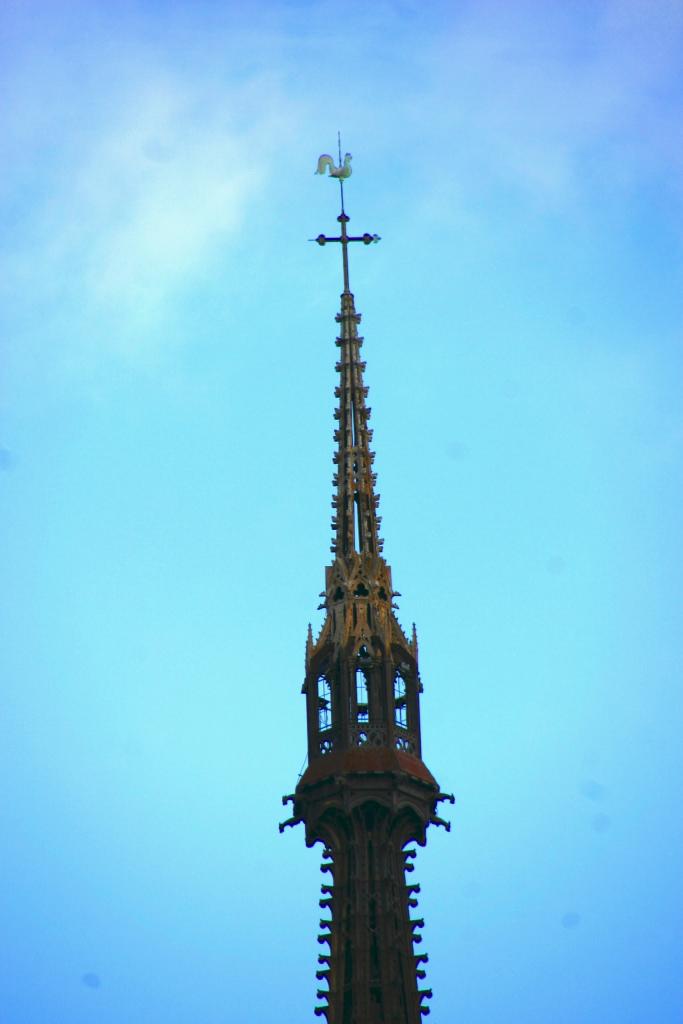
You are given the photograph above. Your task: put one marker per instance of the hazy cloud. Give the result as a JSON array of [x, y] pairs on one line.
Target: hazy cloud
[[552, 103], [136, 156], [143, 198]]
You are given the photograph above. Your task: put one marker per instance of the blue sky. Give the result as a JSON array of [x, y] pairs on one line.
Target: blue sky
[[167, 386]]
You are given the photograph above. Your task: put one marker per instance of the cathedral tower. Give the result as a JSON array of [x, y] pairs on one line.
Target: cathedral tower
[[366, 793]]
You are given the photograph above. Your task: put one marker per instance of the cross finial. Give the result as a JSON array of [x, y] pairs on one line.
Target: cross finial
[[341, 172]]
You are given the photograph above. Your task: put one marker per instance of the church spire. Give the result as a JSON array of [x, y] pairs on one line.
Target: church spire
[[366, 792]]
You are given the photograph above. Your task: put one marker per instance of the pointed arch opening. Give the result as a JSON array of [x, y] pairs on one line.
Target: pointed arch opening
[[362, 699], [324, 704], [400, 701]]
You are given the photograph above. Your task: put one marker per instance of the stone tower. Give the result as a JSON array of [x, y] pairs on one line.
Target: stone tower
[[366, 793]]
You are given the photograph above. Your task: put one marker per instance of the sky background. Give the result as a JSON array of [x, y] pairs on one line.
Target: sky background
[[168, 356]]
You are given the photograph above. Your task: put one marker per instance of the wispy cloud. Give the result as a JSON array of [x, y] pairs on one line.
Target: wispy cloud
[[161, 185], [139, 197], [137, 147], [554, 103]]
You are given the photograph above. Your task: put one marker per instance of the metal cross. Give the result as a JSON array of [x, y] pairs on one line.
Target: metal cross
[[345, 238]]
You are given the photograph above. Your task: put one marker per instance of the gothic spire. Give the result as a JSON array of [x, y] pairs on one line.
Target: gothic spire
[[355, 524], [366, 792]]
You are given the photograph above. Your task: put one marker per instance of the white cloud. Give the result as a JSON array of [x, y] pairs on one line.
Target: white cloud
[[550, 99], [159, 189], [126, 179], [141, 149]]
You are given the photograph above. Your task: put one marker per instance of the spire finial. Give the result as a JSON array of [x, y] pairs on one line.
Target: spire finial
[[340, 172]]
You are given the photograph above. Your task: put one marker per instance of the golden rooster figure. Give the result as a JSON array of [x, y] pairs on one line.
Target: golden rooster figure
[[335, 172]]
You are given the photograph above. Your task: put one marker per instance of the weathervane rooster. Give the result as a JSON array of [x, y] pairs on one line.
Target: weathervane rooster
[[343, 171]]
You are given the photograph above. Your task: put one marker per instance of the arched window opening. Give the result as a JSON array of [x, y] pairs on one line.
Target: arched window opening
[[362, 710], [359, 522], [400, 702], [324, 704]]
